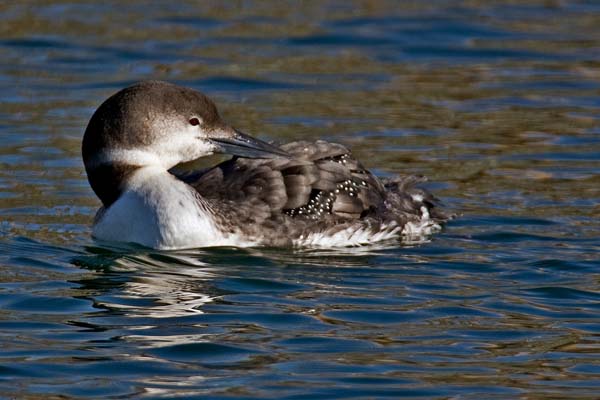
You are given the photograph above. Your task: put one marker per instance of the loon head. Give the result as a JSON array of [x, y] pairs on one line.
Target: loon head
[[158, 124]]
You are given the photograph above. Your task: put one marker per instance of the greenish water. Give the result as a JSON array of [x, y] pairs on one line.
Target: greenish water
[[498, 103]]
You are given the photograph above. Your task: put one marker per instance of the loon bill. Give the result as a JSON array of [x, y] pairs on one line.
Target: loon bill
[[300, 194]]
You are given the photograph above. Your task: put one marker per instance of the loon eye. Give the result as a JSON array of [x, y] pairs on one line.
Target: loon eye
[[195, 121]]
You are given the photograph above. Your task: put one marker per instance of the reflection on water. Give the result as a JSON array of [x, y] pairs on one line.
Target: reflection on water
[[498, 104], [163, 290]]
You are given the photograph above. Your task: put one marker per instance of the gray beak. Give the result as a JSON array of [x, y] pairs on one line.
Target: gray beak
[[243, 145]]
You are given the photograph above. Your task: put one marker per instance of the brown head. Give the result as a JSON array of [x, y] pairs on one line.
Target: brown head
[[159, 124]]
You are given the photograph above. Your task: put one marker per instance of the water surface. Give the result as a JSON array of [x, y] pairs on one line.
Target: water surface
[[497, 103]]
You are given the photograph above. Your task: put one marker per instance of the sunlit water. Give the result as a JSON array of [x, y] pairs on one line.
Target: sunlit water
[[499, 105]]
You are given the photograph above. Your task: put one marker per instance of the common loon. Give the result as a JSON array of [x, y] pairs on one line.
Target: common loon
[[300, 194]]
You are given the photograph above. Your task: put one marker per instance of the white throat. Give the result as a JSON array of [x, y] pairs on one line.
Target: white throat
[[150, 156]]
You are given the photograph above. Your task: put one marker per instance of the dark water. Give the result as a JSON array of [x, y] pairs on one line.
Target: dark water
[[497, 102]]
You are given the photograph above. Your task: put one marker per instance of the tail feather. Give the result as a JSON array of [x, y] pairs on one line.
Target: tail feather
[[404, 196]]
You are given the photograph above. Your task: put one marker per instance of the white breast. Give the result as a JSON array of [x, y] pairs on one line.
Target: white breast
[[157, 210]]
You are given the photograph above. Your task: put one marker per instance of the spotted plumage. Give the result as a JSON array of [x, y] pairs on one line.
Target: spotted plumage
[[320, 189]]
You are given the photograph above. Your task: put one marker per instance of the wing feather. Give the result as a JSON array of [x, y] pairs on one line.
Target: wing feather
[[319, 187]]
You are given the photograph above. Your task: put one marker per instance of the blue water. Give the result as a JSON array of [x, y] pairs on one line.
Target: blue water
[[497, 103]]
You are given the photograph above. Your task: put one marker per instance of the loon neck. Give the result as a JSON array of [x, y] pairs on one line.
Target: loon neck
[[109, 180], [109, 170]]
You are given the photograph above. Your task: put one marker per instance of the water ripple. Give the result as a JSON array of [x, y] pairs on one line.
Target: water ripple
[[496, 103]]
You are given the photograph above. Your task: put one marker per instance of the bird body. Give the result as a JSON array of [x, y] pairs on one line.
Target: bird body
[[300, 194]]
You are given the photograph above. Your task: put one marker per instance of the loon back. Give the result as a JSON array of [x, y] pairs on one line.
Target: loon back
[[321, 195]]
